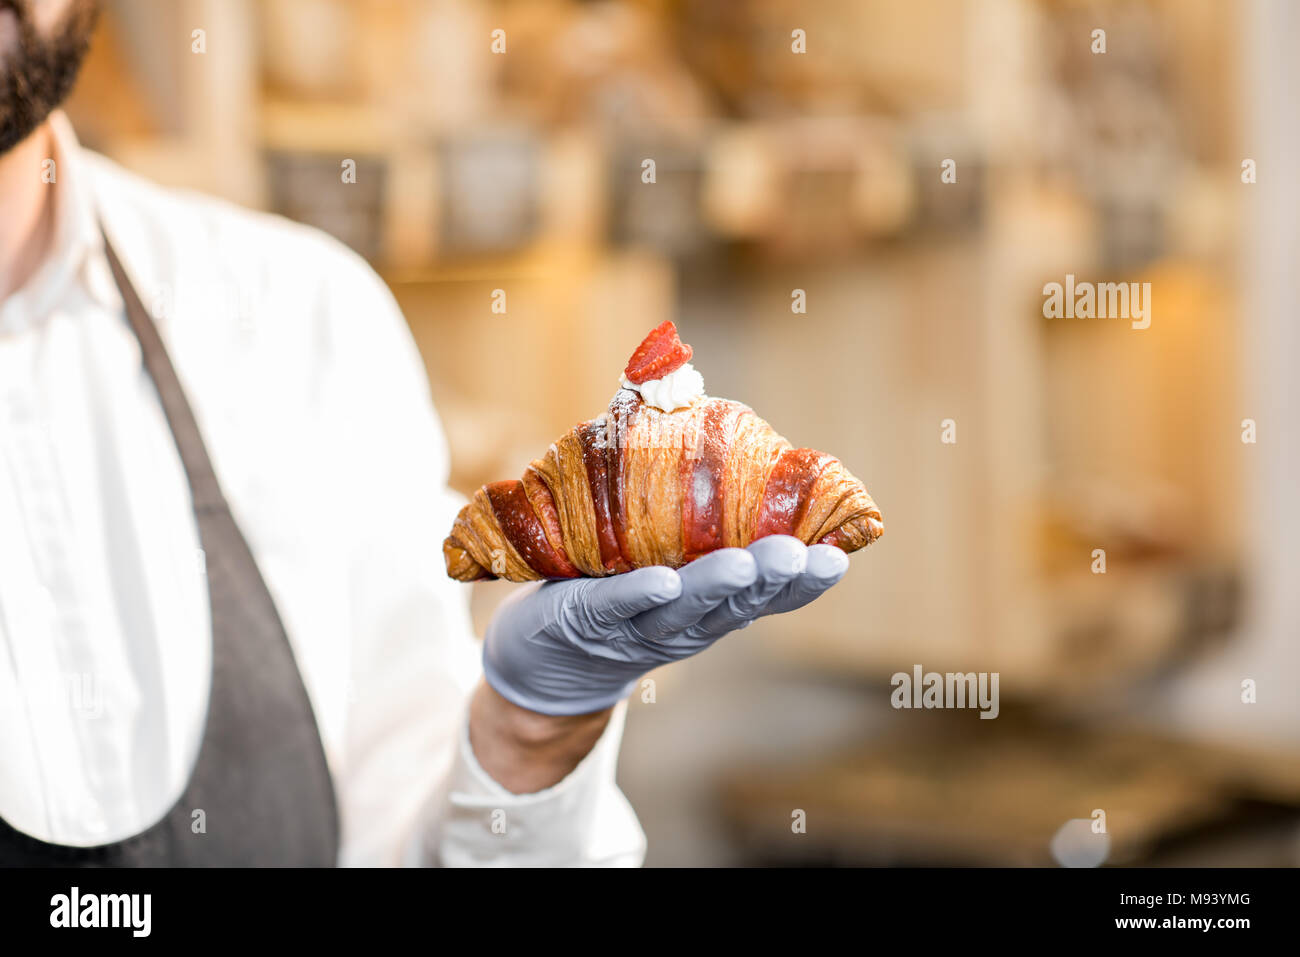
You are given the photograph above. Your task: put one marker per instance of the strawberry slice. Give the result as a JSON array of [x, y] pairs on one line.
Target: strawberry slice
[[659, 353]]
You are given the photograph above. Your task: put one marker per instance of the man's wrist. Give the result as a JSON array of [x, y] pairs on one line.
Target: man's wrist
[[525, 751]]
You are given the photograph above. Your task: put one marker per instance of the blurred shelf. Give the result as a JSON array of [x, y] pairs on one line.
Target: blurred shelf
[[333, 127], [958, 790]]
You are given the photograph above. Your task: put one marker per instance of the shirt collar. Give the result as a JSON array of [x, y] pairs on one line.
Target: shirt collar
[[76, 252]]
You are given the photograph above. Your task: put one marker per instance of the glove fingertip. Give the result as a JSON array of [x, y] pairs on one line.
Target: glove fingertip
[[779, 557], [658, 583], [826, 563], [732, 567]]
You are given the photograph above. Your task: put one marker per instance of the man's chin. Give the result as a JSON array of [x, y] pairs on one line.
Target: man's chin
[[37, 72]]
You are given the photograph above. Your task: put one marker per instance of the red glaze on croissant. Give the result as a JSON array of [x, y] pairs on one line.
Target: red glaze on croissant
[[639, 486]]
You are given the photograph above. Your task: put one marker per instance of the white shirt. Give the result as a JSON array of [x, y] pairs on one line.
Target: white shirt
[[313, 402]]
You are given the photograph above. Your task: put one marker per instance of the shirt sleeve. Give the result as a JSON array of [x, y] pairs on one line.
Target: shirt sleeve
[[409, 788], [584, 820]]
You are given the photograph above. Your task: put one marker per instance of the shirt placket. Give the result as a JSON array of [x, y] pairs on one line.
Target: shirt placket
[[46, 621]]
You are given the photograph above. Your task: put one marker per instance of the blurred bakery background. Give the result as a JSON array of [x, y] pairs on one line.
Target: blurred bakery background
[[854, 207]]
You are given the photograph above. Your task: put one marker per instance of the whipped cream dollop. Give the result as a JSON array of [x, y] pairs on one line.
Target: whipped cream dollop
[[676, 390]]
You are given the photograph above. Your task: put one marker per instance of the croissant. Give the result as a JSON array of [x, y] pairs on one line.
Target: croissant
[[642, 486]]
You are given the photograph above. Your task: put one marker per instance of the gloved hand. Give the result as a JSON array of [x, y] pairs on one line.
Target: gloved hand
[[574, 647]]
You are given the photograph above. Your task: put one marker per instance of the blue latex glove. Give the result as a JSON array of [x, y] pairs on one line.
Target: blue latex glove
[[573, 647]]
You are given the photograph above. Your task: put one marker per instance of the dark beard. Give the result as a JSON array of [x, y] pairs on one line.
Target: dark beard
[[39, 72]]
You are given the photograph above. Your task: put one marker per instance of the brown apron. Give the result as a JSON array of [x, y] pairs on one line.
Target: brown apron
[[261, 780]]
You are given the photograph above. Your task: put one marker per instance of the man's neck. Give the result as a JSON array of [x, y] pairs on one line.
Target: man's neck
[[26, 209]]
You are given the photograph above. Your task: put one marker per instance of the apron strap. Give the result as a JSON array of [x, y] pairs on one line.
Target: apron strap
[[180, 417]]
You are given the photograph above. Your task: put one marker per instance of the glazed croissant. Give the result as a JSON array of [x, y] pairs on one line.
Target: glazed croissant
[[639, 486]]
